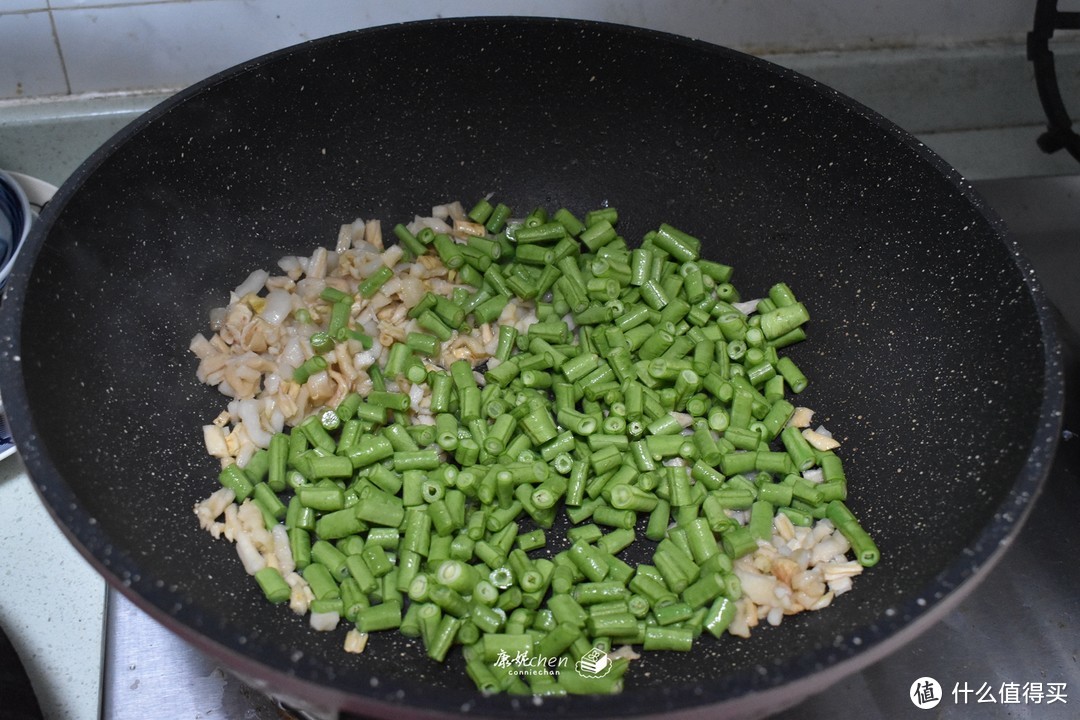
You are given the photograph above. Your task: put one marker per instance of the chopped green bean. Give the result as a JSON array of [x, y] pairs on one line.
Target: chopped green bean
[[639, 400]]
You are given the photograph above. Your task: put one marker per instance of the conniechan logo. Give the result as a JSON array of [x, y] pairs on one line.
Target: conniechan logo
[[526, 664], [594, 664]]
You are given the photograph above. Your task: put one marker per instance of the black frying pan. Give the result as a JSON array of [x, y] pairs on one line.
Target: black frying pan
[[931, 351]]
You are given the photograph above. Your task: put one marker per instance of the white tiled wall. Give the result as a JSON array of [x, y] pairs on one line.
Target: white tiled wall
[[28, 54], [57, 47]]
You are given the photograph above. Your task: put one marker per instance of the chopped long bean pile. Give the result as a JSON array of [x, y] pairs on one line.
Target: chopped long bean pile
[[627, 470]]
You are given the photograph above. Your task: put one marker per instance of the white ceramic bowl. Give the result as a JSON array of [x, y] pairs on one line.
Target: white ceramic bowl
[[21, 198], [15, 219]]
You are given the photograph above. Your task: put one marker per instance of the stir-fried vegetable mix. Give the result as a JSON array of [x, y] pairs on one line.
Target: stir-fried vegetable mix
[[525, 439]]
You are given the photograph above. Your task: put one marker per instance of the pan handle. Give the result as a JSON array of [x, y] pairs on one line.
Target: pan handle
[[1059, 133]]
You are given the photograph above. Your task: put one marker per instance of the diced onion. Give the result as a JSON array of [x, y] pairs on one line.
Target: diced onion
[[249, 555], [217, 318], [214, 439], [324, 621], [355, 641], [820, 440], [292, 356], [248, 411], [282, 551], [289, 264], [253, 284], [278, 306]]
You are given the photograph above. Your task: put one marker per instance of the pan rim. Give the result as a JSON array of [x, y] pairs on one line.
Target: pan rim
[[943, 593]]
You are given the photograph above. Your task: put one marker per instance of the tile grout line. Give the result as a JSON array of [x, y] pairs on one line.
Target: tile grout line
[[109, 6], [59, 49]]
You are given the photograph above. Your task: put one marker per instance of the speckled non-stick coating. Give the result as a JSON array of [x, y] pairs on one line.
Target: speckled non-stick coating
[[930, 352]]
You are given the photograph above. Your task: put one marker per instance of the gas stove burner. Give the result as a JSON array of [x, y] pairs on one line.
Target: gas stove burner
[[1059, 133]]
